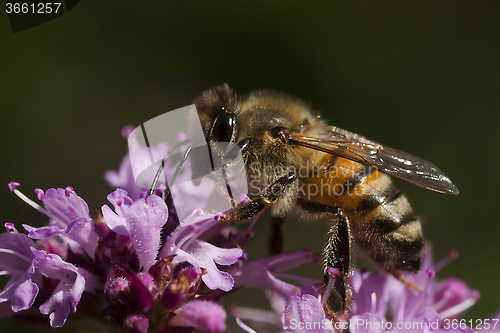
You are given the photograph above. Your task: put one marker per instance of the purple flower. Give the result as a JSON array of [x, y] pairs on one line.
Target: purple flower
[[265, 273], [185, 245], [453, 297], [203, 315], [26, 265], [305, 313], [170, 279], [141, 220], [365, 323], [429, 304], [378, 296], [136, 323], [365, 285], [69, 218], [186, 196], [143, 289], [16, 260], [293, 306], [124, 177], [72, 282], [180, 289]]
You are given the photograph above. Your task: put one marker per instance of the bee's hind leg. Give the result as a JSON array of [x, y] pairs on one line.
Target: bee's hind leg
[[337, 260]]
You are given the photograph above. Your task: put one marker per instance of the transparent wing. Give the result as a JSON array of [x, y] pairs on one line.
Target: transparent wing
[[391, 161]]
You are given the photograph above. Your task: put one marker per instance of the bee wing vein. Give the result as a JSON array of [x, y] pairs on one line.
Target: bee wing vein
[[391, 161]]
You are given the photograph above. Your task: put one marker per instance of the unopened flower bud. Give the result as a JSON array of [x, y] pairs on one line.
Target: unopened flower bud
[[162, 269]]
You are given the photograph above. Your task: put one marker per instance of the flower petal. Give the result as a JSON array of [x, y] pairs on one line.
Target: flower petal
[[367, 323], [305, 313], [262, 273], [65, 208], [21, 292], [145, 219], [207, 255], [203, 315], [117, 220], [72, 282], [69, 218], [16, 260], [364, 298]]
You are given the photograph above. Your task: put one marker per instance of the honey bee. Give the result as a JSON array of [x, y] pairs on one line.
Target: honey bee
[[296, 163]]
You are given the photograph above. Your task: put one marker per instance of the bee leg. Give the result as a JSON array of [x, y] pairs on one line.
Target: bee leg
[[268, 196], [235, 151], [337, 260], [276, 241], [337, 255]]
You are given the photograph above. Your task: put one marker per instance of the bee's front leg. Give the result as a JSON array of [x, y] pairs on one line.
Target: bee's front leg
[[267, 197]]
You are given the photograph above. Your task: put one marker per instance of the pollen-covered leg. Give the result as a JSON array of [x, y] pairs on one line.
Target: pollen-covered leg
[[337, 265], [268, 196], [337, 260]]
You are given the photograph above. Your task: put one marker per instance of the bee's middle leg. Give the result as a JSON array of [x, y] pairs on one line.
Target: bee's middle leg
[[337, 256]]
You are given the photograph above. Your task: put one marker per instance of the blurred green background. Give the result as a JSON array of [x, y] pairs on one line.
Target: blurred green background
[[420, 76]]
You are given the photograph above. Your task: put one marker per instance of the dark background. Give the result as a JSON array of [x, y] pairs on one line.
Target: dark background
[[422, 77]]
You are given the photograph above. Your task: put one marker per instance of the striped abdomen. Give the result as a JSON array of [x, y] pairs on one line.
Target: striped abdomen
[[382, 221]]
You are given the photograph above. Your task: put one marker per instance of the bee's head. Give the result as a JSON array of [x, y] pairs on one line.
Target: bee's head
[[259, 124], [217, 109]]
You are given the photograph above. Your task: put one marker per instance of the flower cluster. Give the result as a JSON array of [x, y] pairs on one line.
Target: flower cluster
[[147, 284], [381, 303], [137, 268]]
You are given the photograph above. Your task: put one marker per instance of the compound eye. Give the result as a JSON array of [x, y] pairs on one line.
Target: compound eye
[[225, 128]]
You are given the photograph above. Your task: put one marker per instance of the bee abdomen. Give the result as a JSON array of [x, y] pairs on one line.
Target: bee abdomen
[[385, 225]]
